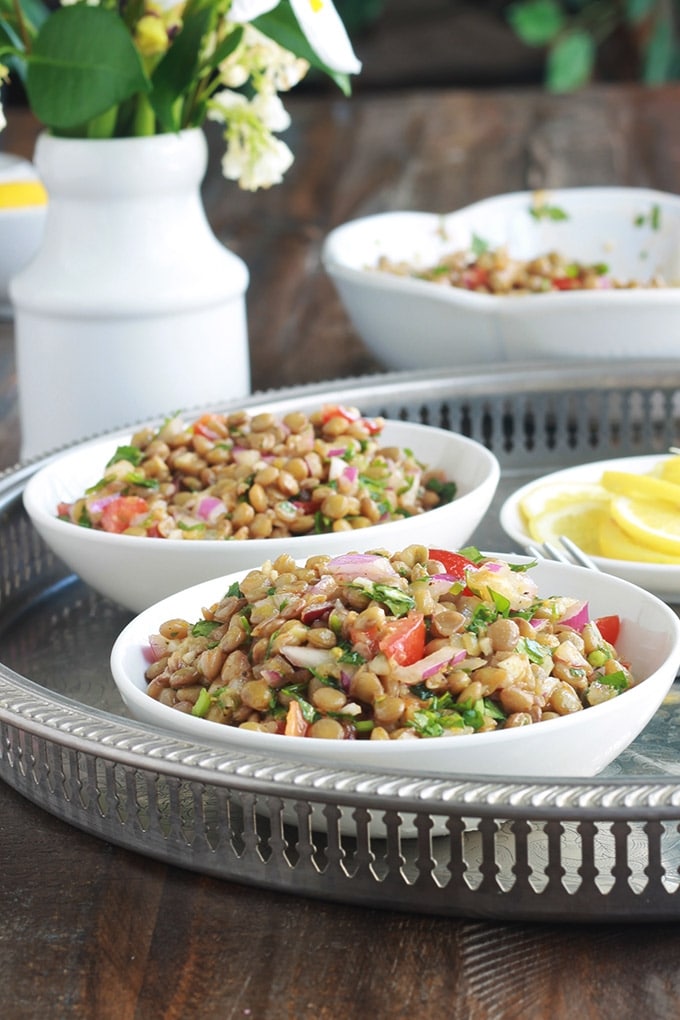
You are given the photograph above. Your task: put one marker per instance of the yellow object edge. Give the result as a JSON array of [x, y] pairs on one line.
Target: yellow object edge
[[18, 194]]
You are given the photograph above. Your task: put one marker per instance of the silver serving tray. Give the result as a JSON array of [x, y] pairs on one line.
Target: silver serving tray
[[603, 849]]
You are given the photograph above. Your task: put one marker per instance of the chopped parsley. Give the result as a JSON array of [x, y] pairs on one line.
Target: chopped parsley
[[445, 490], [204, 628], [132, 454], [617, 680], [397, 601], [548, 212], [534, 650], [478, 245]]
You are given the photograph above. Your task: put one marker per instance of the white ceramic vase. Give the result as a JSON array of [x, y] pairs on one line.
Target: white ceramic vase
[[132, 308]]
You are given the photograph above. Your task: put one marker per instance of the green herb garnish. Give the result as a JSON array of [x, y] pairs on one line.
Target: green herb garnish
[[204, 628], [548, 212], [445, 490], [617, 680], [398, 602], [478, 245], [203, 703], [132, 454]]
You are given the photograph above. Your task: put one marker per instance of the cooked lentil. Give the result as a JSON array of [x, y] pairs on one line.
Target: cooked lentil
[[385, 647], [237, 476], [494, 271]]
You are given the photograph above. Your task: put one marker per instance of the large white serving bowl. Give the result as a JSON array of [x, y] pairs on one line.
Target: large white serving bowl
[[136, 571], [581, 744], [663, 579], [410, 323]]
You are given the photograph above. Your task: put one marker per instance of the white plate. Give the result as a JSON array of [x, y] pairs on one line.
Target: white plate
[[661, 578], [410, 323], [581, 744]]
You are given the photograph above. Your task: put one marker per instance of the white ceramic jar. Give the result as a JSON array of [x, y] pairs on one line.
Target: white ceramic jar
[[132, 308]]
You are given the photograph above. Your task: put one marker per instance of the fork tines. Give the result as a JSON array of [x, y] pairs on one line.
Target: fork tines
[[569, 553]]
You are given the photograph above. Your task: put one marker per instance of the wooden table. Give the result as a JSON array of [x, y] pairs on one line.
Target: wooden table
[[89, 930]]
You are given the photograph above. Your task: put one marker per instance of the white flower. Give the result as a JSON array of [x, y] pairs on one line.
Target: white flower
[[254, 157], [271, 111], [320, 23], [272, 68]]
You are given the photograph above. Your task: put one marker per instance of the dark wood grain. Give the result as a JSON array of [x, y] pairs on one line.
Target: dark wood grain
[[88, 930]]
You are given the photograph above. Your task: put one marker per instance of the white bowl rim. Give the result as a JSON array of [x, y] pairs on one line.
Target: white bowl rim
[[42, 515], [342, 751]]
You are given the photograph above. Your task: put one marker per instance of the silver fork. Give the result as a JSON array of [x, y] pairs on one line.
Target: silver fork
[[569, 553]]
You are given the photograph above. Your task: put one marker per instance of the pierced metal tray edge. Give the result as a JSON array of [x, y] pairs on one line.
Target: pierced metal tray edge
[[31, 708], [423, 386]]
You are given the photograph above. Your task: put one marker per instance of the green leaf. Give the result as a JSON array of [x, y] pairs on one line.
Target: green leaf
[[281, 25], [537, 22], [659, 54], [638, 10], [226, 47], [178, 69], [83, 63], [570, 62]]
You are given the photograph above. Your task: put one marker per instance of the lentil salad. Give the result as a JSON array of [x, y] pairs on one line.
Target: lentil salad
[[493, 271], [415, 644], [236, 476]]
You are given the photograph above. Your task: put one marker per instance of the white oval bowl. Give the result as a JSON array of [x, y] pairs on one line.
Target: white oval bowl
[[411, 323], [136, 571], [578, 745], [663, 579]]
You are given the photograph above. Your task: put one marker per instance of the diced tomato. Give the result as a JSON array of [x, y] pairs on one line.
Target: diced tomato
[[453, 563], [565, 283], [609, 627], [475, 277], [365, 640], [205, 426], [120, 513], [329, 411], [350, 414], [404, 640]]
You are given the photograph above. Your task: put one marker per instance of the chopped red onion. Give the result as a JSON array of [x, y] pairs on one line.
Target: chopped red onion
[[210, 508], [579, 616], [273, 677], [97, 505], [350, 566], [305, 657], [336, 468], [431, 664], [156, 648], [316, 611]]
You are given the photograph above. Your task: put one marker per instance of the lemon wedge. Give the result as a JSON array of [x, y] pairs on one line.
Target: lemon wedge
[[553, 496], [624, 483], [617, 545], [17, 194], [670, 470], [652, 524], [579, 520]]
